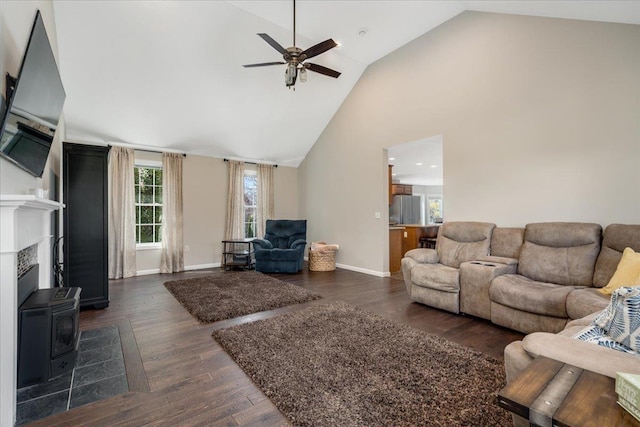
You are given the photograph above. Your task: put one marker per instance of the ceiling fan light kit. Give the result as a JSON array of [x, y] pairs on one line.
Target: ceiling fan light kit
[[295, 57]]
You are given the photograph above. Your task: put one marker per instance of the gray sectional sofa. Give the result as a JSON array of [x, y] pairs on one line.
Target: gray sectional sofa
[[542, 280], [534, 279]]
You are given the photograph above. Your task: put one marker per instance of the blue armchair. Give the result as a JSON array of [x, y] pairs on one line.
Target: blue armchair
[[282, 249]]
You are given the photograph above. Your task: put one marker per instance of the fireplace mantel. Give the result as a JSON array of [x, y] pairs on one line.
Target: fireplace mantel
[[25, 220], [21, 223]]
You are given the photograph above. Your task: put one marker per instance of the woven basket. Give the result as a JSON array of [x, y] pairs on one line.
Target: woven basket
[[322, 261]]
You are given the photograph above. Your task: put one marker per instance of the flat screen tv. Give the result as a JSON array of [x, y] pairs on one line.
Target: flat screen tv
[[33, 109]]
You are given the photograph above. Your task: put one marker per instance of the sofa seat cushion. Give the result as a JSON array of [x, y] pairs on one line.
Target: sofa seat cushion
[[436, 276], [584, 321], [584, 301], [521, 293]]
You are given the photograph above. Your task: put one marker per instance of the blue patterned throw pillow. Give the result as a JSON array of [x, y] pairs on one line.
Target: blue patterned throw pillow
[[618, 324]]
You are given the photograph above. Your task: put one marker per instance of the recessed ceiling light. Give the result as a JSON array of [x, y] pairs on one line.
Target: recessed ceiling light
[[392, 158], [418, 164], [434, 166], [393, 174]]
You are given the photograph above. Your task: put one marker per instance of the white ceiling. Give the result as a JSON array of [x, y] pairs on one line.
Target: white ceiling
[[169, 75], [418, 162]]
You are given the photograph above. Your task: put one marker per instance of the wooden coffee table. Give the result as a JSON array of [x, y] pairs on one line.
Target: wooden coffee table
[[552, 393]]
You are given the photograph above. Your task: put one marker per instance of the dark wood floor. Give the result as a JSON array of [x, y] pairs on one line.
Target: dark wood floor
[[180, 376]]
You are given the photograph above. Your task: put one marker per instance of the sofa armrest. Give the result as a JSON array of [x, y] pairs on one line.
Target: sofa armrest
[[261, 244], [499, 260], [475, 283], [423, 256], [581, 354], [298, 243]]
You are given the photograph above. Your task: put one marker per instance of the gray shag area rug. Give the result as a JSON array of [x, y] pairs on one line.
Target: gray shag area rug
[[232, 294], [336, 365]]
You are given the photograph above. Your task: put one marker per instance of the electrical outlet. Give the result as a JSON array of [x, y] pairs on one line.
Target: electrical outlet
[[186, 248], [377, 215]]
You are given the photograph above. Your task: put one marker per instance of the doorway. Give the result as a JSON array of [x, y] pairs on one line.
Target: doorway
[[417, 170]]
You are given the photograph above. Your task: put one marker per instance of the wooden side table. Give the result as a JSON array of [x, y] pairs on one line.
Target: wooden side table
[[552, 393], [237, 254]]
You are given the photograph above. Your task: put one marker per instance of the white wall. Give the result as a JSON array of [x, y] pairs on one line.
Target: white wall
[[540, 118], [205, 204]]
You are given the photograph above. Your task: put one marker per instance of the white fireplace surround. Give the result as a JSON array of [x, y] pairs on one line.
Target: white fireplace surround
[[24, 221]]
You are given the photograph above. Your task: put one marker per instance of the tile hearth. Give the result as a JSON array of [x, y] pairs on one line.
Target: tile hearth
[[99, 373]]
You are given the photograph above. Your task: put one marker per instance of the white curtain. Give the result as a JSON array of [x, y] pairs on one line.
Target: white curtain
[[172, 257], [122, 218], [265, 197], [234, 227]]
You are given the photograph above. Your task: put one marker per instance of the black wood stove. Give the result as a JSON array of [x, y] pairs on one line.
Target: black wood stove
[[47, 334]]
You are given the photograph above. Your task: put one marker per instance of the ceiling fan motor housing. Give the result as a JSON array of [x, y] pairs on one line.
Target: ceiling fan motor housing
[[293, 55]]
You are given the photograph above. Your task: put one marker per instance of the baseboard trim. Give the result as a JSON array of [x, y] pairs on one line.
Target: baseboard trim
[[364, 270], [186, 268], [147, 272], [360, 270], [202, 266]]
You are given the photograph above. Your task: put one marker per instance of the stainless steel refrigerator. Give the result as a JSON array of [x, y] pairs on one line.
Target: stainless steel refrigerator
[[405, 210]]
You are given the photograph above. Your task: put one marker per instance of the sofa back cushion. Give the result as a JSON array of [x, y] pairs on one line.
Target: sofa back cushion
[[563, 253], [617, 237], [506, 242], [283, 232], [460, 242]]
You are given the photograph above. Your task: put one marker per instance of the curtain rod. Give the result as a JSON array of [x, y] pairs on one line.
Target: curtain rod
[[146, 150], [159, 152], [250, 163]]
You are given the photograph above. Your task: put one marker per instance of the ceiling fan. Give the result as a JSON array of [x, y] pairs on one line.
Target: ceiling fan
[[295, 57]]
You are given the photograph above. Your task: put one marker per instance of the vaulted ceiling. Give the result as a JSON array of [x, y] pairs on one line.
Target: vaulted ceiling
[[168, 74]]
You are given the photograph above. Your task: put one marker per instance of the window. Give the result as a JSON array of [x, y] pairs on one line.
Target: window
[[434, 206], [250, 203], [148, 193]]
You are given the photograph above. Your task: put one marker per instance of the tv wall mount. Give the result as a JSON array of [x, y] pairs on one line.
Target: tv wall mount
[[10, 86]]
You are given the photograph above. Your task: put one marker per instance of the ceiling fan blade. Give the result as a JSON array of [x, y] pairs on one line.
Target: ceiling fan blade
[[318, 49], [274, 44], [322, 70], [263, 64]]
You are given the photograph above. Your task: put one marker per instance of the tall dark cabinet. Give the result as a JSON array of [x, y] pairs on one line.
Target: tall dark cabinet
[[86, 222]]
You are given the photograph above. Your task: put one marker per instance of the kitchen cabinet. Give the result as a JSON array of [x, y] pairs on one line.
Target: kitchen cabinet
[[395, 248], [401, 189], [411, 238]]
